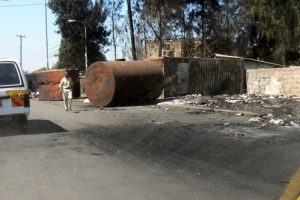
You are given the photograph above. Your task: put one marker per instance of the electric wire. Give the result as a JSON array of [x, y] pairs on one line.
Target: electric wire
[[89, 27]]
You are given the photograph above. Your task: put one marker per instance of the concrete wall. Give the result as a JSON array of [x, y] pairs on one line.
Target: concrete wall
[[171, 48], [276, 81], [250, 64]]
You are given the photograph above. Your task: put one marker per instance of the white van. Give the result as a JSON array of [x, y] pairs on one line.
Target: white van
[[14, 93]]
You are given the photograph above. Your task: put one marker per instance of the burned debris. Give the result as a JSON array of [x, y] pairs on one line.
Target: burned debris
[[261, 110]]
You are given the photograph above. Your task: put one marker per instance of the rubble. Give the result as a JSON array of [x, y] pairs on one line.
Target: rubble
[[87, 101], [266, 110], [276, 121], [255, 119], [270, 115], [232, 101], [294, 124]]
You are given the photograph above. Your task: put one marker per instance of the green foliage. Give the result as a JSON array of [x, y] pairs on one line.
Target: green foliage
[[230, 36], [275, 29], [203, 15], [85, 12], [162, 18], [264, 29]]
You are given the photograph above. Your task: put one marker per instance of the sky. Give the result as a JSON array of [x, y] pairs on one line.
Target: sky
[[27, 17], [18, 19]]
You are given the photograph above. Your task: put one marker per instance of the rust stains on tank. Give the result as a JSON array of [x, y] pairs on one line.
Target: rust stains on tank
[[123, 82]]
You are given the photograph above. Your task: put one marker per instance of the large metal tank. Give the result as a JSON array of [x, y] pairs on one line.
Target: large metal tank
[[123, 82]]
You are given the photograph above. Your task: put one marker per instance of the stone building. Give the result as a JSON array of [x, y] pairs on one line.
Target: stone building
[[171, 48], [175, 48]]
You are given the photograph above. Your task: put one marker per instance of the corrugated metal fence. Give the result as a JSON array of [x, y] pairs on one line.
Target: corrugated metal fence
[[203, 76]]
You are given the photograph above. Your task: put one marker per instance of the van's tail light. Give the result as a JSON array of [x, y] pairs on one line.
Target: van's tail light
[[19, 98]]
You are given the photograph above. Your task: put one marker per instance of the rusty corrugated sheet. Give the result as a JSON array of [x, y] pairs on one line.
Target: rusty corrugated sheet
[[206, 76], [123, 83], [49, 92], [48, 84], [52, 76]]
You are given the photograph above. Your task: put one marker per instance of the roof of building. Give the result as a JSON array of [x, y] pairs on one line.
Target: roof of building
[[153, 58], [217, 55]]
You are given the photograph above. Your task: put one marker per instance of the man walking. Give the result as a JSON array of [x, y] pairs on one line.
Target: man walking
[[65, 86]]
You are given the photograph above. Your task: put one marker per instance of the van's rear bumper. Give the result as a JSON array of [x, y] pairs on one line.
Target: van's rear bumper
[[14, 111]]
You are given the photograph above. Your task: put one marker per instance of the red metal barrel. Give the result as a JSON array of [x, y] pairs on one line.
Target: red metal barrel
[[50, 77], [48, 84], [123, 82], [49, 93]]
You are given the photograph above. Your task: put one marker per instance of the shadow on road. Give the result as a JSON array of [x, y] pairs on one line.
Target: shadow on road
[[204, 149], [33, 127]]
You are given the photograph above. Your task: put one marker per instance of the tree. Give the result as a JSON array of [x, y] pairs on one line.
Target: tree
[[115, 8], [204, 15], [86, 13], [264, 29], [161, 18], [129, 10], [141, 30], [275, 29], [230, 30]]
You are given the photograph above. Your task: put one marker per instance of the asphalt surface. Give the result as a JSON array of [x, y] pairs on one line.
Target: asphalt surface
[[146, 152]]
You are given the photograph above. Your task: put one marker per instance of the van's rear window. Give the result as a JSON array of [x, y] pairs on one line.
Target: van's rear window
[[9, 75]]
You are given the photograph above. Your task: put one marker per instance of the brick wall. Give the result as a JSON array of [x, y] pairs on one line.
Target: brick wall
[[275, 81]]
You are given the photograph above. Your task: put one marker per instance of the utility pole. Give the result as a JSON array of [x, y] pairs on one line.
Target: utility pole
[[46, 22], [21, 48], [85, 47]]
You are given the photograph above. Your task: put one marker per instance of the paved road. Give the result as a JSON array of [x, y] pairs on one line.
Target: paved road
[[146, 153]]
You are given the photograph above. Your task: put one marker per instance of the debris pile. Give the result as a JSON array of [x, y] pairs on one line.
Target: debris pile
[[266, 110]]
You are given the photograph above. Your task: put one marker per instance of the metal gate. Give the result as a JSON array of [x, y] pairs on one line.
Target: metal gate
[[203, 76]]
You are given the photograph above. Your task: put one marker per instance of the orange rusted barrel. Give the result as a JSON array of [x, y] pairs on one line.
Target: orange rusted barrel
[[123, 82], [50, 77], [49, 93], [48, 84]]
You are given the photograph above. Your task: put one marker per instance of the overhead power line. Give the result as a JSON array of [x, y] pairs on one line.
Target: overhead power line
[[54, 47], [46, 25], [55, 50]]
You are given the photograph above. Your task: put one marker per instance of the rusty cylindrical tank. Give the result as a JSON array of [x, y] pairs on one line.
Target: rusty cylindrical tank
[[123, 82]]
